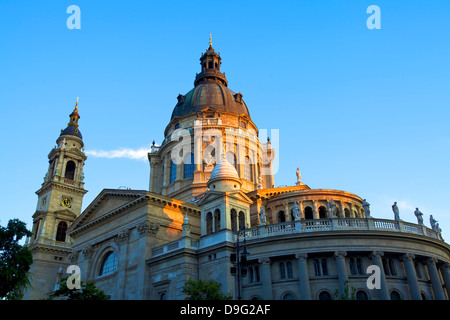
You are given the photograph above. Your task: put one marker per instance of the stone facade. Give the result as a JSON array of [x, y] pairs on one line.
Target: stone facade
[[302, 243]]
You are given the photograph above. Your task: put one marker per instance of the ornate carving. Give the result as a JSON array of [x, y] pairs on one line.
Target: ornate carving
[[340, 254], [301, 256], [264, 260], [123, 236], [408, 256], [148, 228], [88, 251], [73, 257]]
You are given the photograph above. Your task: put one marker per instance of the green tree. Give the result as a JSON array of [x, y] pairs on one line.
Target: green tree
[[204, 290], [15, 260], [87, 291], [348, 294]]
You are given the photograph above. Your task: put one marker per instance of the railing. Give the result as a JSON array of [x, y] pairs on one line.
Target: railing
[[300, 226], [338, 224], [184, 242]]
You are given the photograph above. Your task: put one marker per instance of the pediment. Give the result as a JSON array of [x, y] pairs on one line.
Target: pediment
[[235, 195], [107, 201]]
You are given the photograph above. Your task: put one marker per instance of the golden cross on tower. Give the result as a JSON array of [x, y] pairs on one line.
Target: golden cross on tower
[[76, 105], [210, 40]]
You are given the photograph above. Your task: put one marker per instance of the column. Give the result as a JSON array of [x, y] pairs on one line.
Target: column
[[446, 275], [435, 279], [411, 276], [266, 278], [287, 213], [315, 210], [302, 211], [339, 257], [376, 258], [303, 276]]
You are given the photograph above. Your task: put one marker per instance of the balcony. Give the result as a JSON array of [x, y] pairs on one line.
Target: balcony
[[338, 224]]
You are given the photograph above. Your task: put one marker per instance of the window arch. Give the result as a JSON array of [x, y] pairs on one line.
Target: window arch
[[209, 223], [216, 220], [308, 213], [322, 212], [61, 231], [173, 172], [231, 158], [324, 295], [288, 296], [109, 264], [281, 216], [189, 166], [241, 220], [248, 174], [282, 271], [233, 220], [395, 295], [361, 295], [70, 170]]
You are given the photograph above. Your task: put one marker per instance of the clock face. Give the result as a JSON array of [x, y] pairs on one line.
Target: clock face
[[65, 202]]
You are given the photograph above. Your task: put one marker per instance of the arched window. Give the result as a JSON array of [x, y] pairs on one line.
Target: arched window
[[248, 169], [241, 220], [395, 295], [70, 170], [61, 231], [308, 213], [189, 166], [324, 267], [317, 272], [173, 172], [216, 220], [290, 274], [361, 295], [231, 158], [351, 263], [209, 223], [257, 275], [210, 64], [347, 213], [282, 271], [281, 216], [288, 296], [109, 264], [324, 295], [233, 220], [322, 212]]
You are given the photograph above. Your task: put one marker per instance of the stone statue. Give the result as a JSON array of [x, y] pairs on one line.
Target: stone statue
[[262, 217], [432, 222], [366, 207], [419, 216], [299, 178], [82, 176], [259, 181], [296, 211], [396, 212], [437, 228], [332, 208]]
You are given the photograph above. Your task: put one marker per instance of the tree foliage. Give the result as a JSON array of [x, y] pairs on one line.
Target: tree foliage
[[87, 291], [204, 290], [15, 260]]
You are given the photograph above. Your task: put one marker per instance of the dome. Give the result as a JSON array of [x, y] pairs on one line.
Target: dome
[[71, 130], [213, 95], [225, 176]]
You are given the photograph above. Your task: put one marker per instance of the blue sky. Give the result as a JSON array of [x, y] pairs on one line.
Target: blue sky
[[365, 111]]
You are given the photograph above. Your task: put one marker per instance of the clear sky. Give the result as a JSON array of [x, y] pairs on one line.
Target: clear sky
[[360, 110]]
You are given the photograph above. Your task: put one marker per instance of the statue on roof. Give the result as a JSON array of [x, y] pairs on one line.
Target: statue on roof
[[396, 212], [419, 215]]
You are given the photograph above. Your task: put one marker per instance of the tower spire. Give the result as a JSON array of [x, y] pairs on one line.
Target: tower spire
[[210, 40]]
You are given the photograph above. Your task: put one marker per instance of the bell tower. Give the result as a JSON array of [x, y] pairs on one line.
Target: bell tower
[[59, 204]]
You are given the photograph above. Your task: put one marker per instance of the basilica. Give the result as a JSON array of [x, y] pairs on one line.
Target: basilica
[[212, 212]]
